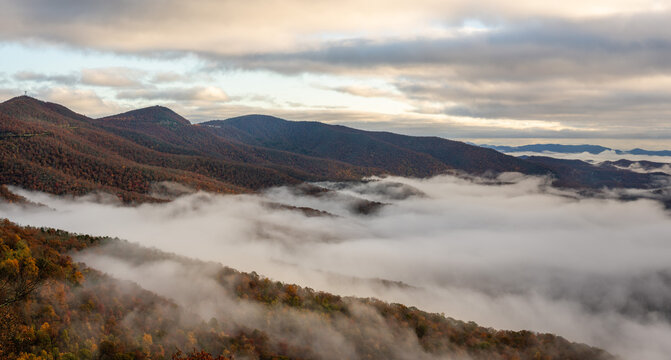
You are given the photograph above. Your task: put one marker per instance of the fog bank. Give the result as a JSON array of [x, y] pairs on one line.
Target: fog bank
[[607, 155], [515, 256]]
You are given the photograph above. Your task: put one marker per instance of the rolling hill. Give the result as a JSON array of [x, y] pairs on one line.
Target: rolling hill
[[47, 147], [162, 129], [412, 155], [396, 154]]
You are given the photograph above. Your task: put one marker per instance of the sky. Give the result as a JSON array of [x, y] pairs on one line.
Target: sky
[[580, 71]]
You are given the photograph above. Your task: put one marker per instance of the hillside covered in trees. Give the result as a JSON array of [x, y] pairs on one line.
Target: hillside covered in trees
[[55, 308], [413, 155], [47, 147]]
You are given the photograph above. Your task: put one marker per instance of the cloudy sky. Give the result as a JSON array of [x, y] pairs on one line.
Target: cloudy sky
[[460, 69]]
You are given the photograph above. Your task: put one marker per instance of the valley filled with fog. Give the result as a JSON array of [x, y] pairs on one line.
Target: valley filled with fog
[[510, 253]]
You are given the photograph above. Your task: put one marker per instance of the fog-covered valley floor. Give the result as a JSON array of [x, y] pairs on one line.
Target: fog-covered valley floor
[[517, 255]]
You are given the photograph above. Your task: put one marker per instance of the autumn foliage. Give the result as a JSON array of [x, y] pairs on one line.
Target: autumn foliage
[[46, 147], [70, 311]]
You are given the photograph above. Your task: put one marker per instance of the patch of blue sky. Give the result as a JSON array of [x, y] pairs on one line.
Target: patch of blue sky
[[260, 88], [57, 59]]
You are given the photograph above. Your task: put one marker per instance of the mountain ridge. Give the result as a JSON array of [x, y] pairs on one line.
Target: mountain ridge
[[323, 140], [340, 143], [48, 147]]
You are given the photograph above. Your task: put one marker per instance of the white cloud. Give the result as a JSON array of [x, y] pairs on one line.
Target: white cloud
[[178, 94], [235, 27], [201, 289], [525, 68], [38, 77], [112, 77], [168, 77], [607, 155], [637, 167], [82, 101], [516, 256]]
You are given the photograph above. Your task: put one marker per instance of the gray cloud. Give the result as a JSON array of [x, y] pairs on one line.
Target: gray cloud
[[539, 48], [115, 77], [575, 72], [364, 91], [600, 71], [7, 93], [515, 256], [39, 77], [167, 77], [608, 107], [84, 101], [198, 93], [417, 124]]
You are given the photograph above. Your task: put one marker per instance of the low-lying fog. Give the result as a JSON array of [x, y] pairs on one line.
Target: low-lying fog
[[607, 155], [513, 256]]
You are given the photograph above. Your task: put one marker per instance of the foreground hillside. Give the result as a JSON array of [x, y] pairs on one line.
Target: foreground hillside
[[53, 308], [47, 147]]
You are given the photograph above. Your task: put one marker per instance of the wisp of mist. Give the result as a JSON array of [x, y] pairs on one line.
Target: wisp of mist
[[516, 255]]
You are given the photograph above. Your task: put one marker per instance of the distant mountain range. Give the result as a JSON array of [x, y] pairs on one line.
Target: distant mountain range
[[574, 149], [47, 147]]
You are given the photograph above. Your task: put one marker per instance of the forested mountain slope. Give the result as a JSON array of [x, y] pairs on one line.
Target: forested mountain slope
[[47, 147], [397, 154], [411, 155], [54, 308], [161, 128]]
